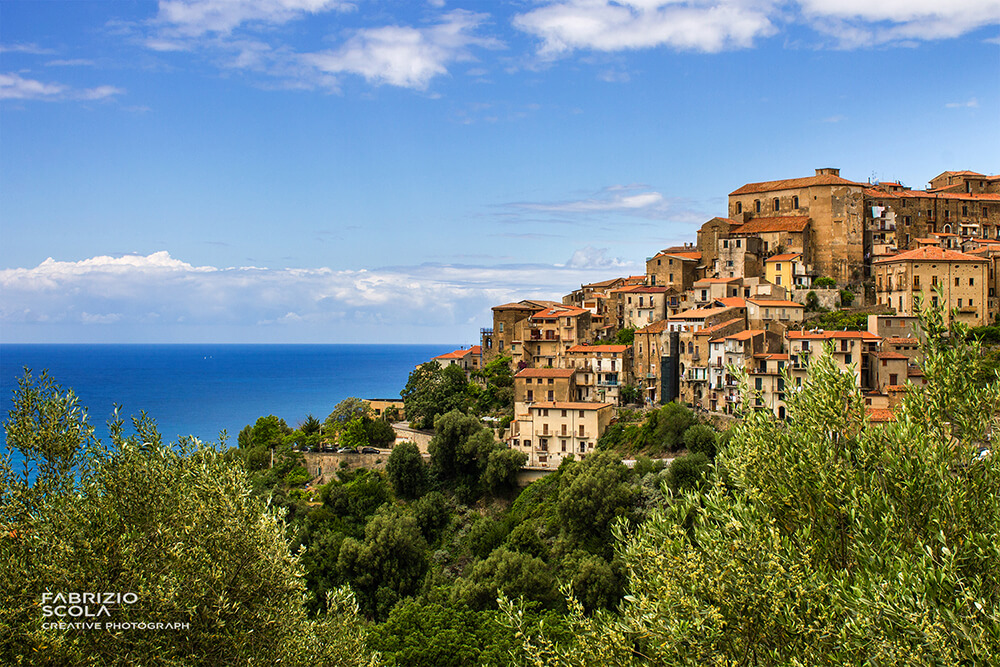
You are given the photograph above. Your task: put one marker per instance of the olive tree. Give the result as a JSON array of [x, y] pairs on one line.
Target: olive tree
[[178, 528], [824, 539]]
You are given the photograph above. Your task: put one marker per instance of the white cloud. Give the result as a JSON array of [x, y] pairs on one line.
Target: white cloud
[[603, 25], [564, 26], [405, 56], [70, 62], [15, 87], [859, 23], [590, 257], [194, 18], [972, 103], [32, 49], [631, 200], [144, 293]]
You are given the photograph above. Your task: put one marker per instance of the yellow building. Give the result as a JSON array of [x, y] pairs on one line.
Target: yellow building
[[961, 279], [787, 270], [549, 431]]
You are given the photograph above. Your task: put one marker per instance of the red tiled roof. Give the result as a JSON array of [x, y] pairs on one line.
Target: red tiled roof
[[783, 258], [716, 281], [656, 327], [914, 372], [891, 354], [792, 183], [931, 254], [732, 302], [456, 354], [880, 415], [476, 349], [708, 331], [896, 387], [616, 349], [775, 303], [791, 223], [559, 311], [604, 283], [546, 373], [772, 356], [744, 335]]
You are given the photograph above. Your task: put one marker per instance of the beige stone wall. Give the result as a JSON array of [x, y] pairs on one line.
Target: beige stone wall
[[322, 466], [899, 284]]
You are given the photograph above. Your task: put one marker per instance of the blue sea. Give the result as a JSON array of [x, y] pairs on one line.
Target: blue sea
[[200, 389]]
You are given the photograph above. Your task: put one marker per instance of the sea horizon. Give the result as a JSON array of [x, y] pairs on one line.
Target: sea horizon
[[200, 389]]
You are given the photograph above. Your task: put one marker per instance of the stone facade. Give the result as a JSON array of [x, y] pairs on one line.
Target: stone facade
[[917, 275]]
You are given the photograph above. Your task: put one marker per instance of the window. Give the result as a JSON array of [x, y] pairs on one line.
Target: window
[[959, 303], [906, 219], [737, 243], [551, 397], [725, 243], [847, 359], [756, 205], [972, 281], [563, 414], [551, 381], [893, 379], [581, 414], [563, 445], [739, 207], [777, 267], [956, 282], [965, 211], [658, 262], [531, 395], [795, 201], [985, 212], [776, 204], [947, 214], [582, 432]]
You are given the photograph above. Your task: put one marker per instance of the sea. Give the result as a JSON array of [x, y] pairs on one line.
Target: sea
[[202, 389]]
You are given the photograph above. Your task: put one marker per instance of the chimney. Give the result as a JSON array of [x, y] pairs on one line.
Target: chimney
[[828, 171]]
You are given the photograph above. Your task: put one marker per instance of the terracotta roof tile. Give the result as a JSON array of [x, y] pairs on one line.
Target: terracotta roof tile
[[656, 327], [880, 415], [775, 303], [930, 253], [788, 256], [792, 183], [708, 331], [791, 223]]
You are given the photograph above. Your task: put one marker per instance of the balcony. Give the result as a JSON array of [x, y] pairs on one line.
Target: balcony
[[650, 376], [607, 383]]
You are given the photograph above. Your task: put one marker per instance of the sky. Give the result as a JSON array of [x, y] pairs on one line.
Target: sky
[[375, 171]]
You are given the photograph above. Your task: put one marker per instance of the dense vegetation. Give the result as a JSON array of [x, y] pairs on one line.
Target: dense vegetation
[[819, 540]]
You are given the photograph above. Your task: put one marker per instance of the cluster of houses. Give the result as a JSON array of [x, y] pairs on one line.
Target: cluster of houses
[[736, 299]]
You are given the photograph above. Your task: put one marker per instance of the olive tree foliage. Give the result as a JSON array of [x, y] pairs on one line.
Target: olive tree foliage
[[824, 540], [432, 390], [177, 526], [407, 471]]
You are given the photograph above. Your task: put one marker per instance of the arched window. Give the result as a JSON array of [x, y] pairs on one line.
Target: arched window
[[776, 203], [756, 205], [795, 201], [739, 207]]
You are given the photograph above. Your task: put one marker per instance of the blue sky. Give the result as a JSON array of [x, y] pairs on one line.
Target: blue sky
[[332, 171]]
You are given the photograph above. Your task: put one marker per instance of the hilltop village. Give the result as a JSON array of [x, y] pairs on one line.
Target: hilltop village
[[741, 297]]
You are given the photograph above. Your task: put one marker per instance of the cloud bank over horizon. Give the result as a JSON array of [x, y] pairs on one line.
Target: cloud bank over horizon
[[160, 298]]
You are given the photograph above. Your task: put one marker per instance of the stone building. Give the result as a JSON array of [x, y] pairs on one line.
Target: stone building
[[601, 370], [551, 430], [674, 267], [962, 279], [832, 236], [507, 317]]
